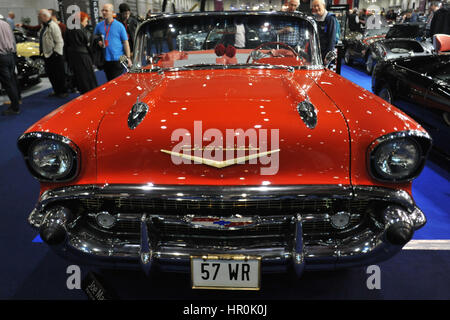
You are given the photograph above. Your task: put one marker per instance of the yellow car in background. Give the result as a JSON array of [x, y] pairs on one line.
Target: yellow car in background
[[28, 48]]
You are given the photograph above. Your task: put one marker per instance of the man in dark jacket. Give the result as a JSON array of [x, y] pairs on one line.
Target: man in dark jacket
[[327, 27], [305, 7], [129, 21], [353, 21], [8, 78], [441, 21]]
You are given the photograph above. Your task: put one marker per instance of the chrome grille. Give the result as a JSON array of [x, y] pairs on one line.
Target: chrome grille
[[311, 228], [319, 227], [260, 207]]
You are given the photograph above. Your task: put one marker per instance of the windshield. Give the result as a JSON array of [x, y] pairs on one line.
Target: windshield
[[199, 40]]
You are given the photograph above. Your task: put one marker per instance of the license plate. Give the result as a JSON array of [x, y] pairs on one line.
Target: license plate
[[226, 272]]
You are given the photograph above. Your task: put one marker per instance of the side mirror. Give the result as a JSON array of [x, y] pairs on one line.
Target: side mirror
[[329, 58], [124, 62]]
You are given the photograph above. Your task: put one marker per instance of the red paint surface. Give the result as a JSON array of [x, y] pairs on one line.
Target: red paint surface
[[226, 99]]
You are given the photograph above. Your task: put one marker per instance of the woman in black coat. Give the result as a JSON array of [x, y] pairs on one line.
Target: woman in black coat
[[76, 45]]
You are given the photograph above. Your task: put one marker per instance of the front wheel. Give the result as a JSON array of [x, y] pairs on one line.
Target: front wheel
[[386, 94], [347, 57], [370, 62], [39, 64], [446, 116]]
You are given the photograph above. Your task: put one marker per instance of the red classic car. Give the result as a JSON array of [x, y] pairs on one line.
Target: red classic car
[[237, 154]]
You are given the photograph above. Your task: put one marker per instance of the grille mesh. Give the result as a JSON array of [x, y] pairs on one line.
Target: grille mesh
[[160, 206]]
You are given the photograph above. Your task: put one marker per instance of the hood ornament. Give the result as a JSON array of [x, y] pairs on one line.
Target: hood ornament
[[137, 114], [219, 164], [308, 113]]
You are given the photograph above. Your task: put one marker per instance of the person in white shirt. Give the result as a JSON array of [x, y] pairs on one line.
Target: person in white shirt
[[239, 40], [51, 45]]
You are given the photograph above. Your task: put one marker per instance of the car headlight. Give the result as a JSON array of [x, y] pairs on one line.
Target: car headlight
[[50, 157], [399, 158]]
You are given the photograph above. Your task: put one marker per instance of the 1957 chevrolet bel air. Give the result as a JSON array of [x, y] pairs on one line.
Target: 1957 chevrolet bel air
[[227, 161]]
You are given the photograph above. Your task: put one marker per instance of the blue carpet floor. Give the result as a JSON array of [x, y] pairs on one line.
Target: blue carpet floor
[[30, 270]]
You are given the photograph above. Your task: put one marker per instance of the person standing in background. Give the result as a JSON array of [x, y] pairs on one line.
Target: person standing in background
[[414, 16], [76, 46], [434, 6], [8, 77], [292, 5], [115, 42], [362, 17], [305, 7], [288, 33], [10, 19], [129, 22], [441, 20], [51, 45], [327, 27], [353, 21]]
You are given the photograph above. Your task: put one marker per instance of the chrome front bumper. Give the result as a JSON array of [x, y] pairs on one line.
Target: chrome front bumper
[[368, 246]]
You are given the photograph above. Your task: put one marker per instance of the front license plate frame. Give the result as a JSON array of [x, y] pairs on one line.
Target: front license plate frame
[[223, 259]]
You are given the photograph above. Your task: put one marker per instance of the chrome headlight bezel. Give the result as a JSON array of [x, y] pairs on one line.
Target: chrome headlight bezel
[[27, 142], [419, 139]]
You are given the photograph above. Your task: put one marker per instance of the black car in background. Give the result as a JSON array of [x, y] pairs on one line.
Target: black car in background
[[419, 86], [28, 74], [357, 44], [400, 40]]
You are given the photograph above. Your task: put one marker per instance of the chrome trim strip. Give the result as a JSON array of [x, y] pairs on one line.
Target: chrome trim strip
[[27, 138], [399, 135], [227, 67]]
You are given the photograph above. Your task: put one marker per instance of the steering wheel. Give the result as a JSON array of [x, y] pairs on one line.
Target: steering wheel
[[271, 43]]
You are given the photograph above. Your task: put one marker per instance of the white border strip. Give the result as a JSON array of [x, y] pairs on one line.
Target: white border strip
[[427, 245]]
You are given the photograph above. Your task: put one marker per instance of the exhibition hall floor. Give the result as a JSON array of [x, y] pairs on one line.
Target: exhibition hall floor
[[30, 270]]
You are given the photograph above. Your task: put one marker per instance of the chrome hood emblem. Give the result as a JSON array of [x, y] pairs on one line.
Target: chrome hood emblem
[[137, 114], [308, 113]]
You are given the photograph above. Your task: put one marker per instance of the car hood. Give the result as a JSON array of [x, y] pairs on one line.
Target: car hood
[[221, 100]]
